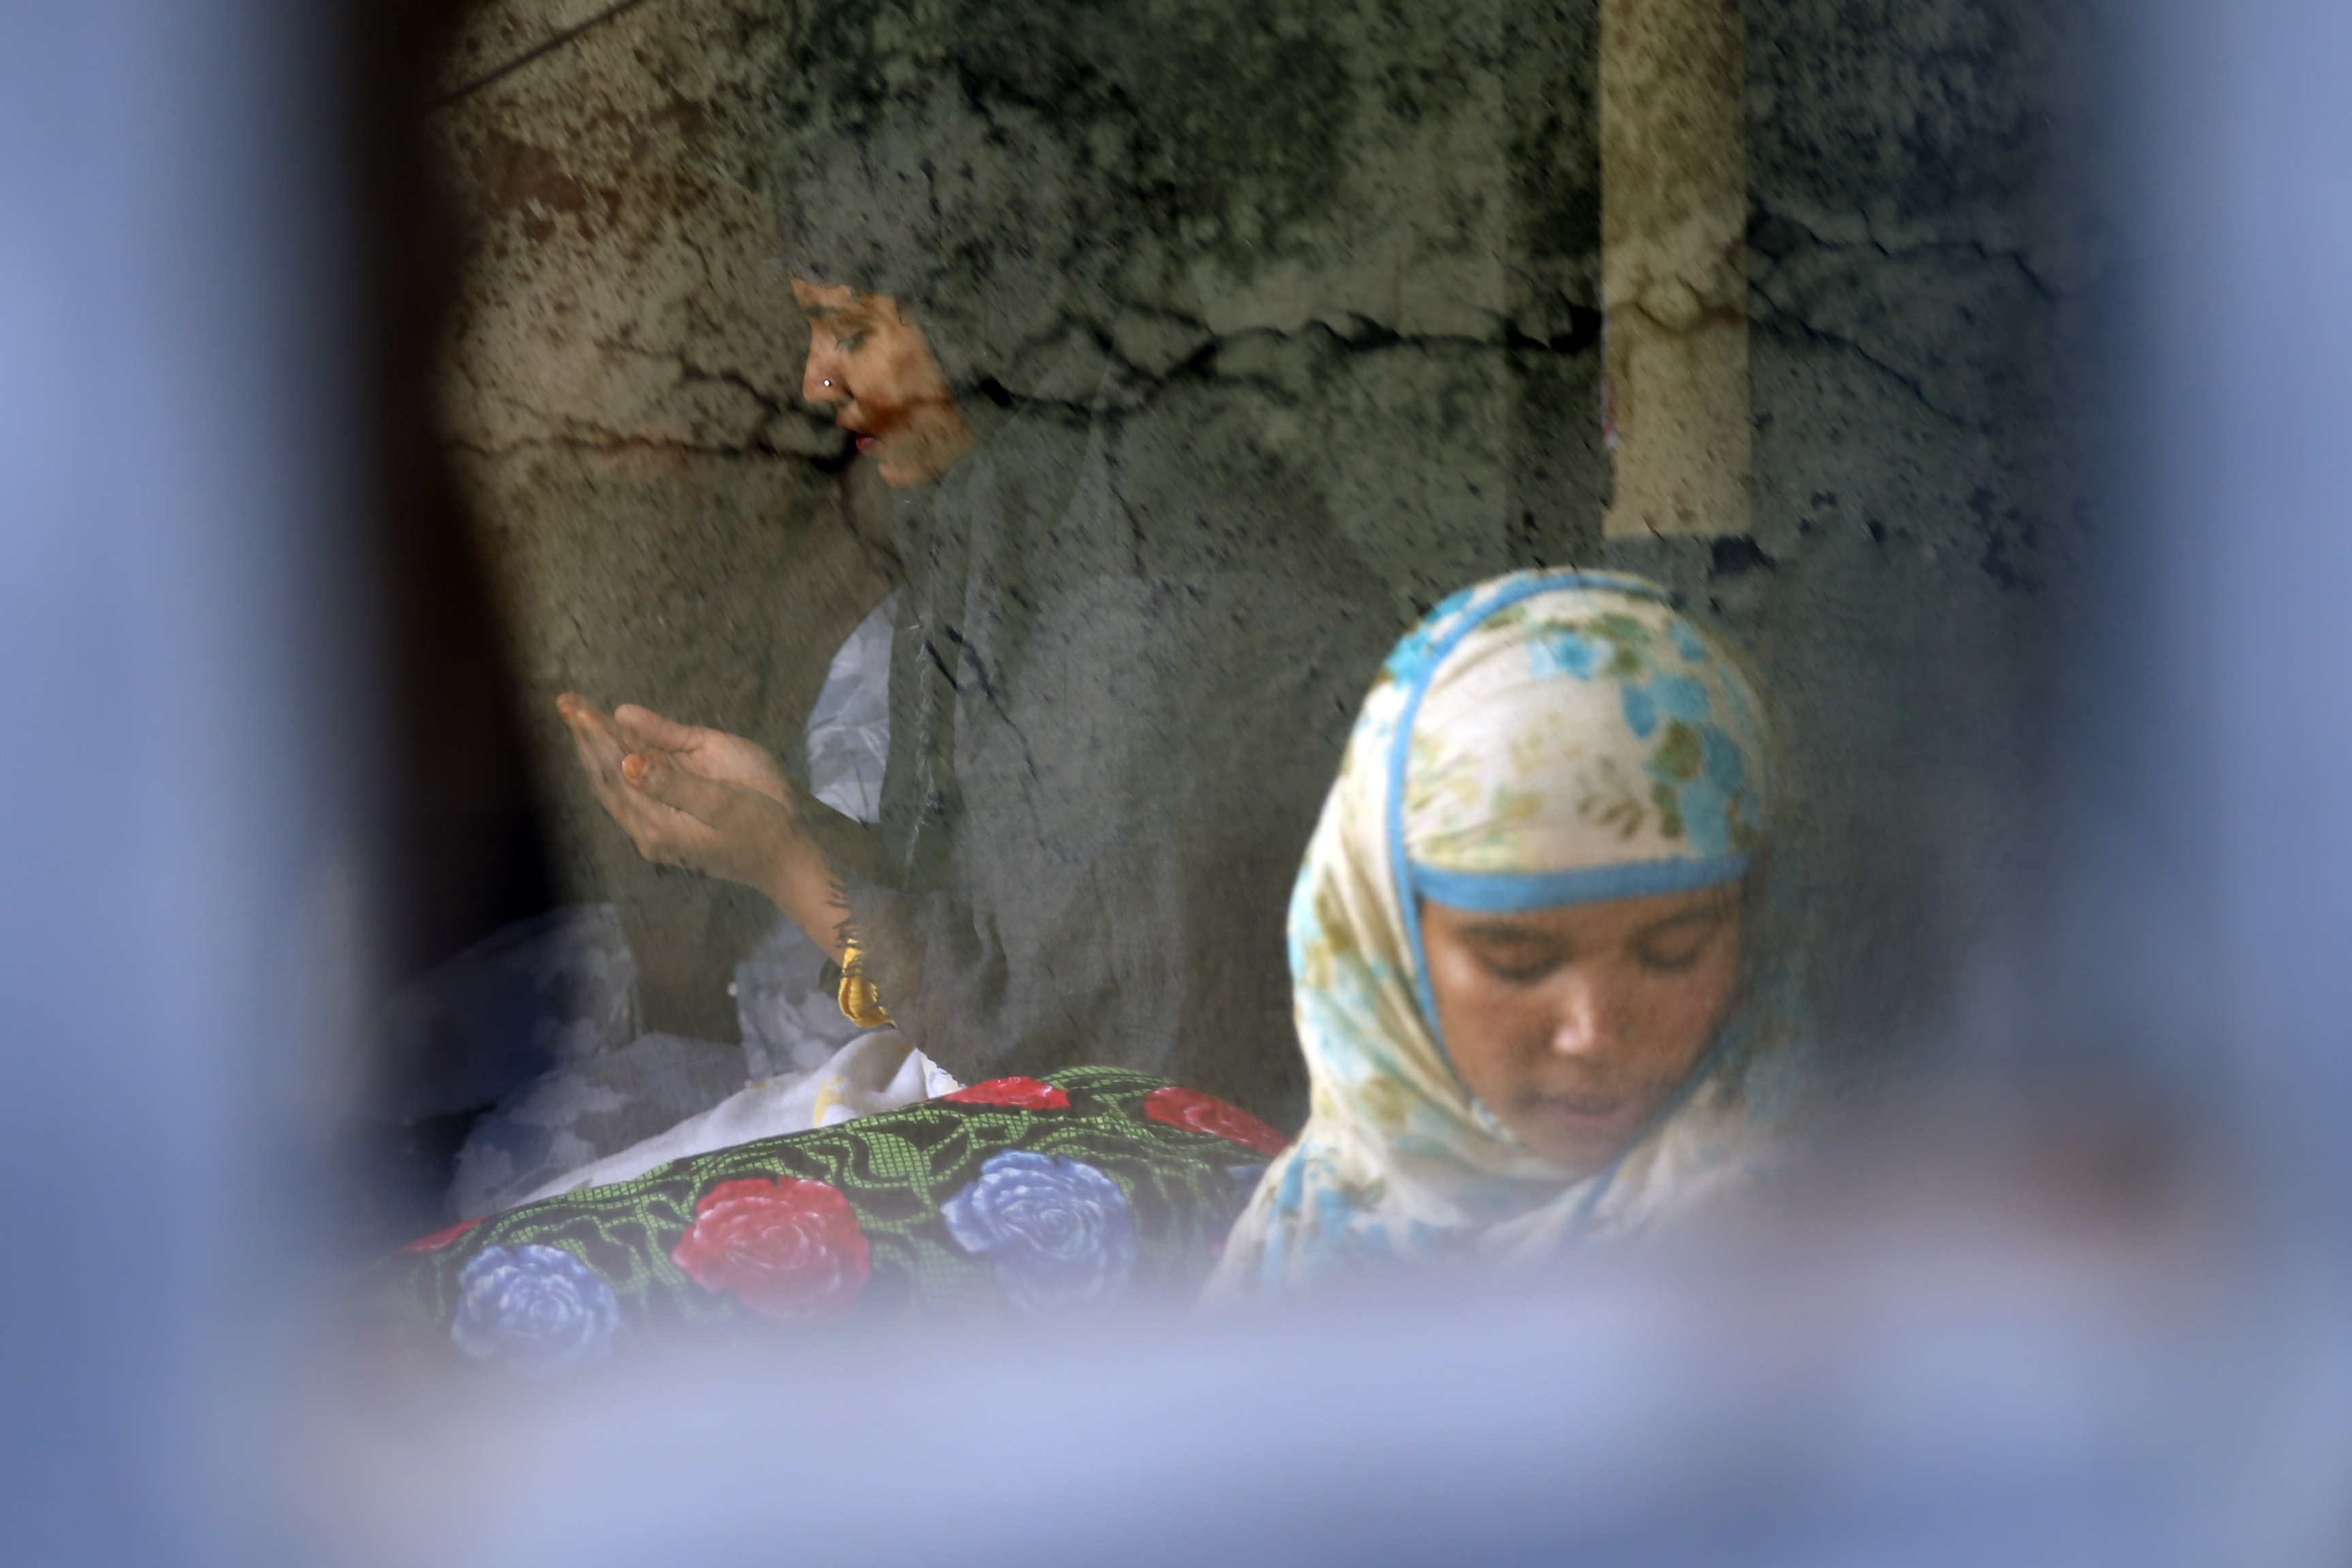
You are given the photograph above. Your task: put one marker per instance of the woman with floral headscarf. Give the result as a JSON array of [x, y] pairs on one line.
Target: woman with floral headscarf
[[1533, 983]]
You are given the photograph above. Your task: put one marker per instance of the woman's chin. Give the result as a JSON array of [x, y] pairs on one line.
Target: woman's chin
[[1577, 1136], [900, 466], [889, 465]]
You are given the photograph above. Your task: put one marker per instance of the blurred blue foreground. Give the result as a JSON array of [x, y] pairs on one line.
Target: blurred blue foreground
[[1964, 1353]]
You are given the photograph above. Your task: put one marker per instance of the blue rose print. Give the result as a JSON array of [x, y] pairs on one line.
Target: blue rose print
[[1058, 1231], [1641, 711], [1680, 697], [538, 1309], [1564, 652]]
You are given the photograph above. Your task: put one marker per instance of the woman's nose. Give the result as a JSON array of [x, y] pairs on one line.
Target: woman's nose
[[1586, 1022], [821, 377]]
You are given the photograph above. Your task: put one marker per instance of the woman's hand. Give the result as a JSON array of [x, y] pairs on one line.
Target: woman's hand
[[711, 753], [708, 802]]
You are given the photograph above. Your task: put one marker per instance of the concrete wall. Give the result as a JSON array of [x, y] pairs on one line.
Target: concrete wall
[[1372, 231], [621, 397], [1917, 276]]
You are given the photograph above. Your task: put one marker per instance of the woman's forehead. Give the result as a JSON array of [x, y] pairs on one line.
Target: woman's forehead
[[828, 301], [1604, 917]]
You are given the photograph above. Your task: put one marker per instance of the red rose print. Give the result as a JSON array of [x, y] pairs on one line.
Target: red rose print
[[440, 1239], [1026, 1093], [1198, 1113], [785, 1249]]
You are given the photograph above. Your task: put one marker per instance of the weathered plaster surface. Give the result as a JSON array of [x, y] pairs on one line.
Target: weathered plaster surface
[[1674, 180], [1369, 231], [1389, 279], [622, 392], [1914, 278]]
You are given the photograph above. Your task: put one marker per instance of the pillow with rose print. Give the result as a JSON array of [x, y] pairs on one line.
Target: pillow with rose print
[[1082, 1191]]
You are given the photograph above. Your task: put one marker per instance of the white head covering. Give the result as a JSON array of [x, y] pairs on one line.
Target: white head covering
[[1543, 739]]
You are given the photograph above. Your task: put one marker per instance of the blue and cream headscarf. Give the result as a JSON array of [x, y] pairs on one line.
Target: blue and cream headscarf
[[1544, 738]]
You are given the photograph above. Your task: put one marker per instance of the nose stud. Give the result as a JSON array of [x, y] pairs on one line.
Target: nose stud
[[828, 384]]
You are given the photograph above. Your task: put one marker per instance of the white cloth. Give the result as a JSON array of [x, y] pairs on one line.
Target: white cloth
[[849, 724], [791, 1021], [585, 1110], [876, 1071]]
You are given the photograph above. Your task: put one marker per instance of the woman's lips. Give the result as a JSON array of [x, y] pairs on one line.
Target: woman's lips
[[867, 443], [1584, 1114]]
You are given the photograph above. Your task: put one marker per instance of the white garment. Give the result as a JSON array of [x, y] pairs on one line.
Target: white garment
[[849, 724], [587, 1111], [876, 1071]]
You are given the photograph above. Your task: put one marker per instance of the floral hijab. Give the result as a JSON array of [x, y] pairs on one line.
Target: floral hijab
[[1542, 739]]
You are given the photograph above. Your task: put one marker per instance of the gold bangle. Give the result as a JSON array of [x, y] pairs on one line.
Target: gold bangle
[[860, 999]]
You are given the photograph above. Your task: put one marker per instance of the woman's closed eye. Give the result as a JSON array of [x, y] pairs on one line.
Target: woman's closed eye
[[1519, 963], [1676, 949]]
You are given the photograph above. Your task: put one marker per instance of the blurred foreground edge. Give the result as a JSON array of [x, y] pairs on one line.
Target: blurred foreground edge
[[187, 615]]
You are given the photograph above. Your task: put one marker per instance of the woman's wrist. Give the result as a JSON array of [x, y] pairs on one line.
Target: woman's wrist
[[806, 877]]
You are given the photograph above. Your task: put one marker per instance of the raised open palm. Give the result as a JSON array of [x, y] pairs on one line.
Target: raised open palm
[[711, 753], [708, 802]]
